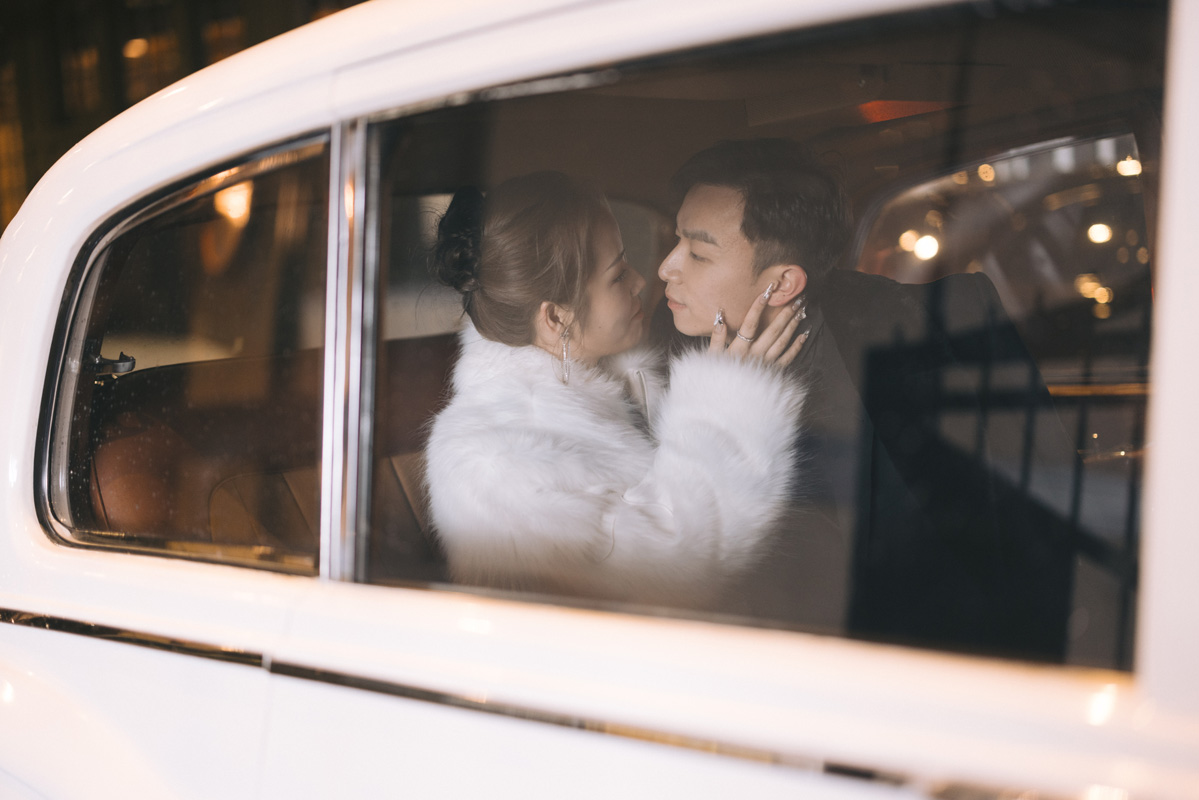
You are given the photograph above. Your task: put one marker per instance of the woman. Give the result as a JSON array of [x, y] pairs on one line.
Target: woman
[[560, 463]]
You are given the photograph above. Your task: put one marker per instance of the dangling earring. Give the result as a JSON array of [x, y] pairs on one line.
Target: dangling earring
[[801, 308], [566, 356]]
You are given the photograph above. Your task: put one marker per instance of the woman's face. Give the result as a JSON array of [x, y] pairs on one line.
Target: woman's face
[[614, 319]]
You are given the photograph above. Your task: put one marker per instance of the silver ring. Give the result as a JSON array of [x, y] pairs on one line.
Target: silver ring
[[744, 338]]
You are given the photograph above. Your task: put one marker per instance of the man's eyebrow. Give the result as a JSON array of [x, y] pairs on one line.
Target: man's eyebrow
[[699, 236]]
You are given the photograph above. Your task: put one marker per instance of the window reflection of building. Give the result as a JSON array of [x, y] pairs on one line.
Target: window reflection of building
[[150, 64], [1060, 229], [12, 154], [76, 63], [223, 38], [81, 81]]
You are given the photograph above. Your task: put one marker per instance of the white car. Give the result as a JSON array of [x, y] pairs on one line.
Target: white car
[[222, 351]]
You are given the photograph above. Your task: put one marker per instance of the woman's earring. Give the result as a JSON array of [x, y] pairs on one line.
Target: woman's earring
[[566, 356], [801, 308]]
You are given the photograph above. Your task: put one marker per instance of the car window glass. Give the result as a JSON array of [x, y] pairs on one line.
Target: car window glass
[[967, 470], [192, 424]]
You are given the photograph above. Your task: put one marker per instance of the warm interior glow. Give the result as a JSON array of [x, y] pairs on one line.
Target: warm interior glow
[[908, 239], [1099, 233], [986, 172], [883, 110]]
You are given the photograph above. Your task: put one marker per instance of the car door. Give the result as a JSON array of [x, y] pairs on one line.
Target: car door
[[393, 678], [142, 593]]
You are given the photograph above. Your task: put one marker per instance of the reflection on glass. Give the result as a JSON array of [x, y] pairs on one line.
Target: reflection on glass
[[234, 203], [1041, 230], [1101, 705]]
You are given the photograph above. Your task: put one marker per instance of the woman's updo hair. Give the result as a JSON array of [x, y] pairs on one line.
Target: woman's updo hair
[[528, 241]]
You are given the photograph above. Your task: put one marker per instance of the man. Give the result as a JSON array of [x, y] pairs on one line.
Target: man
[[898, 533]]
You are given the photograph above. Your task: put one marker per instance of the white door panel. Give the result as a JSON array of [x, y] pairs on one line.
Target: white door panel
[[371, 745], [83, 717]]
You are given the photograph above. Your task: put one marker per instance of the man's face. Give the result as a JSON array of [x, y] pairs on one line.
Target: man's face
[[711, 267]]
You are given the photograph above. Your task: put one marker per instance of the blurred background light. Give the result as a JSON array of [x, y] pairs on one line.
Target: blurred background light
[[908, 239], [1087, 284], [1129, 167], [926, 247], [1099, 233], [136, 48]]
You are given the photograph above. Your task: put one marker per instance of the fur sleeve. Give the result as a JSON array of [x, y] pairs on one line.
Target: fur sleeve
[[718, 480], [724, 463]]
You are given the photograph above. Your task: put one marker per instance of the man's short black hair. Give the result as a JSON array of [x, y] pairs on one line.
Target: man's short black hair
[[796, 211]]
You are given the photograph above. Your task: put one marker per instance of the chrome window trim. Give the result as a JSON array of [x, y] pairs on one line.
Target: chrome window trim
[[341, 452], [406, 691], [63, 370], [92, 630]]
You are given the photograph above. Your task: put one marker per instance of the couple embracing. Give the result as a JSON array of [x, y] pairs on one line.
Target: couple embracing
[[570, 459], [789, 462]]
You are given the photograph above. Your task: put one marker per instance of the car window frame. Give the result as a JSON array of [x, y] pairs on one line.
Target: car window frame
[[72, 322]]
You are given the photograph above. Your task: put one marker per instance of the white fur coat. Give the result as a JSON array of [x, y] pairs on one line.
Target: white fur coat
[[541, 486]]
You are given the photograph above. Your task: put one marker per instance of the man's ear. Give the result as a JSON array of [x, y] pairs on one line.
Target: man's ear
[[791, 280], [549, 324]]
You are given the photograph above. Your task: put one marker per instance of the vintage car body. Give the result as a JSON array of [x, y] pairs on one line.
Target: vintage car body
[[125, 673]]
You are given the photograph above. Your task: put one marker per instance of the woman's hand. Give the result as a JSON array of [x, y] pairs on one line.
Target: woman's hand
[[777, 344]]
